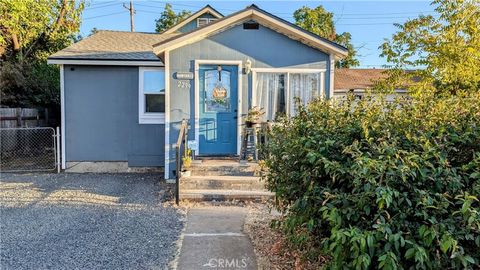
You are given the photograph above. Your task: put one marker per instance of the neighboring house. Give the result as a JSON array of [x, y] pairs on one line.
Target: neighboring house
[[124, 94], [357, 81]]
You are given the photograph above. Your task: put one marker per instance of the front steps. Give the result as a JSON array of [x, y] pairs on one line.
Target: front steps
[[223, 180]]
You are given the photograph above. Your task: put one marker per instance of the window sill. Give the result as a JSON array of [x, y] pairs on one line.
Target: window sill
[[152, 119]]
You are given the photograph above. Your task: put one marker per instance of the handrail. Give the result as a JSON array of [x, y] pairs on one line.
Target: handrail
[[182, 140]]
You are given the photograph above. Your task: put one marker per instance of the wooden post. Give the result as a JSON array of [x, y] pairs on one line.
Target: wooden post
[[18, 114], [132, 13]]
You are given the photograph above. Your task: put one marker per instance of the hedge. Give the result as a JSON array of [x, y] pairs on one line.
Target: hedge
[[377, 184]]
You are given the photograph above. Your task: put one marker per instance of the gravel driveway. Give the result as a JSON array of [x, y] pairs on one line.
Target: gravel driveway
[[86, 221]]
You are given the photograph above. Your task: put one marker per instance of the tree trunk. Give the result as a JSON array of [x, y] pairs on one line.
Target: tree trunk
[[16, 44]]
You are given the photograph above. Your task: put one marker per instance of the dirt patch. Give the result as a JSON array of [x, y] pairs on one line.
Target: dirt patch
[[271, 247]]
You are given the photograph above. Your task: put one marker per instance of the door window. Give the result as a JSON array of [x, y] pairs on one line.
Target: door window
[[217, 91]]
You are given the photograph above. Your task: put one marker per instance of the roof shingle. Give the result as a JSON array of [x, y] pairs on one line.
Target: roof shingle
[[346, 79], [114, 45]]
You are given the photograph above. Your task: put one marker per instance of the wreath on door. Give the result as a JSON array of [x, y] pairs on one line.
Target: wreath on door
[[219, 94]]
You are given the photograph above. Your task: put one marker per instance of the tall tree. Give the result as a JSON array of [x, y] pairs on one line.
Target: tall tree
[[29, 27], [320, 22], [30, 31], [169, 18], [443, 51]]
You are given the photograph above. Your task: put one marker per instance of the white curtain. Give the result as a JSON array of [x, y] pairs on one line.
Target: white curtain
[[270, 94], [305, 86]]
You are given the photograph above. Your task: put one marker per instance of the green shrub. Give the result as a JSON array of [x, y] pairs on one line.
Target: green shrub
[[381, 185]]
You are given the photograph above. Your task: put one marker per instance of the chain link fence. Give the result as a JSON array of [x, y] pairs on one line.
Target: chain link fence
[[28, 149]]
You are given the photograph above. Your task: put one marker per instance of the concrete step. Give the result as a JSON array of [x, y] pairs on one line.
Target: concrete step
[[223, 168], [222, 182], [224, 195]]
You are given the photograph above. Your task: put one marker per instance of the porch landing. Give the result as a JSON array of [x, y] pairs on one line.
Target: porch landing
[[223, 180]]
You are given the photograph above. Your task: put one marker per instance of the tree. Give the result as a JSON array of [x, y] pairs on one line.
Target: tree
[[93, 31], [320, 22], [443, 51], [31, 27], [29, 32], [169, 18]]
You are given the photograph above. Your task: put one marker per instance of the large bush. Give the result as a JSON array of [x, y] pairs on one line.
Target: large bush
[[374, 184]]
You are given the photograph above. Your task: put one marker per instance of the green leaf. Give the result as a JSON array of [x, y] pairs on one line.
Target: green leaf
[[410, 253]]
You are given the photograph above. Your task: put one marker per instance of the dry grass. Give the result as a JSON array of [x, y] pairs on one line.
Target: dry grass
[[271, 247]]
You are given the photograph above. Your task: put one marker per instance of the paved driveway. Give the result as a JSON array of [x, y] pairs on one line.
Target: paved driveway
[[85, 221]]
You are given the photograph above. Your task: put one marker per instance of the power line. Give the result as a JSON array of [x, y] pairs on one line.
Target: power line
[[95, 7], [105, 15], [379, 18], [338, 15], [391, 23], [101, 3]]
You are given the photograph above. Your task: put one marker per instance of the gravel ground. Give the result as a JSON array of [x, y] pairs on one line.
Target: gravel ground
[[86, 221]]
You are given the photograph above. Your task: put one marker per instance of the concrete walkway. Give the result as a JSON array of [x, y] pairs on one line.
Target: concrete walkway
[[214, 239]]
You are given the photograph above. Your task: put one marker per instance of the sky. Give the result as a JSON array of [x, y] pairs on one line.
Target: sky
[[369, 22]]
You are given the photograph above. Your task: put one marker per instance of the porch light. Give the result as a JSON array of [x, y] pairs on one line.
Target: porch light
[[248, 66]]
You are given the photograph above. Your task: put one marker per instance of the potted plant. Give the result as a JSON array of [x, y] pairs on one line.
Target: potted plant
[[186, 162], [254, 116]]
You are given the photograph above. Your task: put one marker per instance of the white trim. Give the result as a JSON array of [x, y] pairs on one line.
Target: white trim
[[209, 20], [239, 97], [167, 115], [145, 117], [105, 62], [198, 21], [62, 112], [287, 72], [290, 70], [322, 84], [260, 17], [192, 17], [332, 76]]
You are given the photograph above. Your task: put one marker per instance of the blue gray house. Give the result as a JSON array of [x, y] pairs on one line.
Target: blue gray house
[[124, 94]]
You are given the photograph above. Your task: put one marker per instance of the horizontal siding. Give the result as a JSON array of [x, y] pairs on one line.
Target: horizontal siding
[[101, 108]]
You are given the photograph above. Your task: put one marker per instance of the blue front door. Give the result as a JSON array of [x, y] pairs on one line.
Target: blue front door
[[218, 110]]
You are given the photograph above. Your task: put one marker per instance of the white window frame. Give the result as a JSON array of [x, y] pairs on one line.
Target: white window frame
[[208, 20], [146, 117], [287, 72]]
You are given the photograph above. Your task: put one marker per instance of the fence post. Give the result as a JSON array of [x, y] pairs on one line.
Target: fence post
[[18, 114], [58, 149]]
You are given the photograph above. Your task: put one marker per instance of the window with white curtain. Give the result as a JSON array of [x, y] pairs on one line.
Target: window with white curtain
[[276, 92], [305, 86], [271, 94]]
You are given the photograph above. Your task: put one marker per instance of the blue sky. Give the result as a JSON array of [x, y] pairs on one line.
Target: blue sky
[[369, 22]]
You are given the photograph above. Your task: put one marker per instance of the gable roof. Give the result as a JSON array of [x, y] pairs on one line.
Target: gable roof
[[347, 79], [207, 9], [113, 45], [253, 12]]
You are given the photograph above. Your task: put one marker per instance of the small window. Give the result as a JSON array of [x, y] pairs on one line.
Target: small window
[[204, 21], [151, 97]]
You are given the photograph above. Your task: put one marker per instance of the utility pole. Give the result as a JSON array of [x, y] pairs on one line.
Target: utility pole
[[132, 13]]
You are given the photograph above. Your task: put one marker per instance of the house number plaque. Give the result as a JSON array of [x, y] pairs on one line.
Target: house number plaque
[[184, 75], [183, 78]]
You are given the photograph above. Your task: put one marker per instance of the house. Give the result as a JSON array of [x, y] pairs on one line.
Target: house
[[358, 81], [124, 94]]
